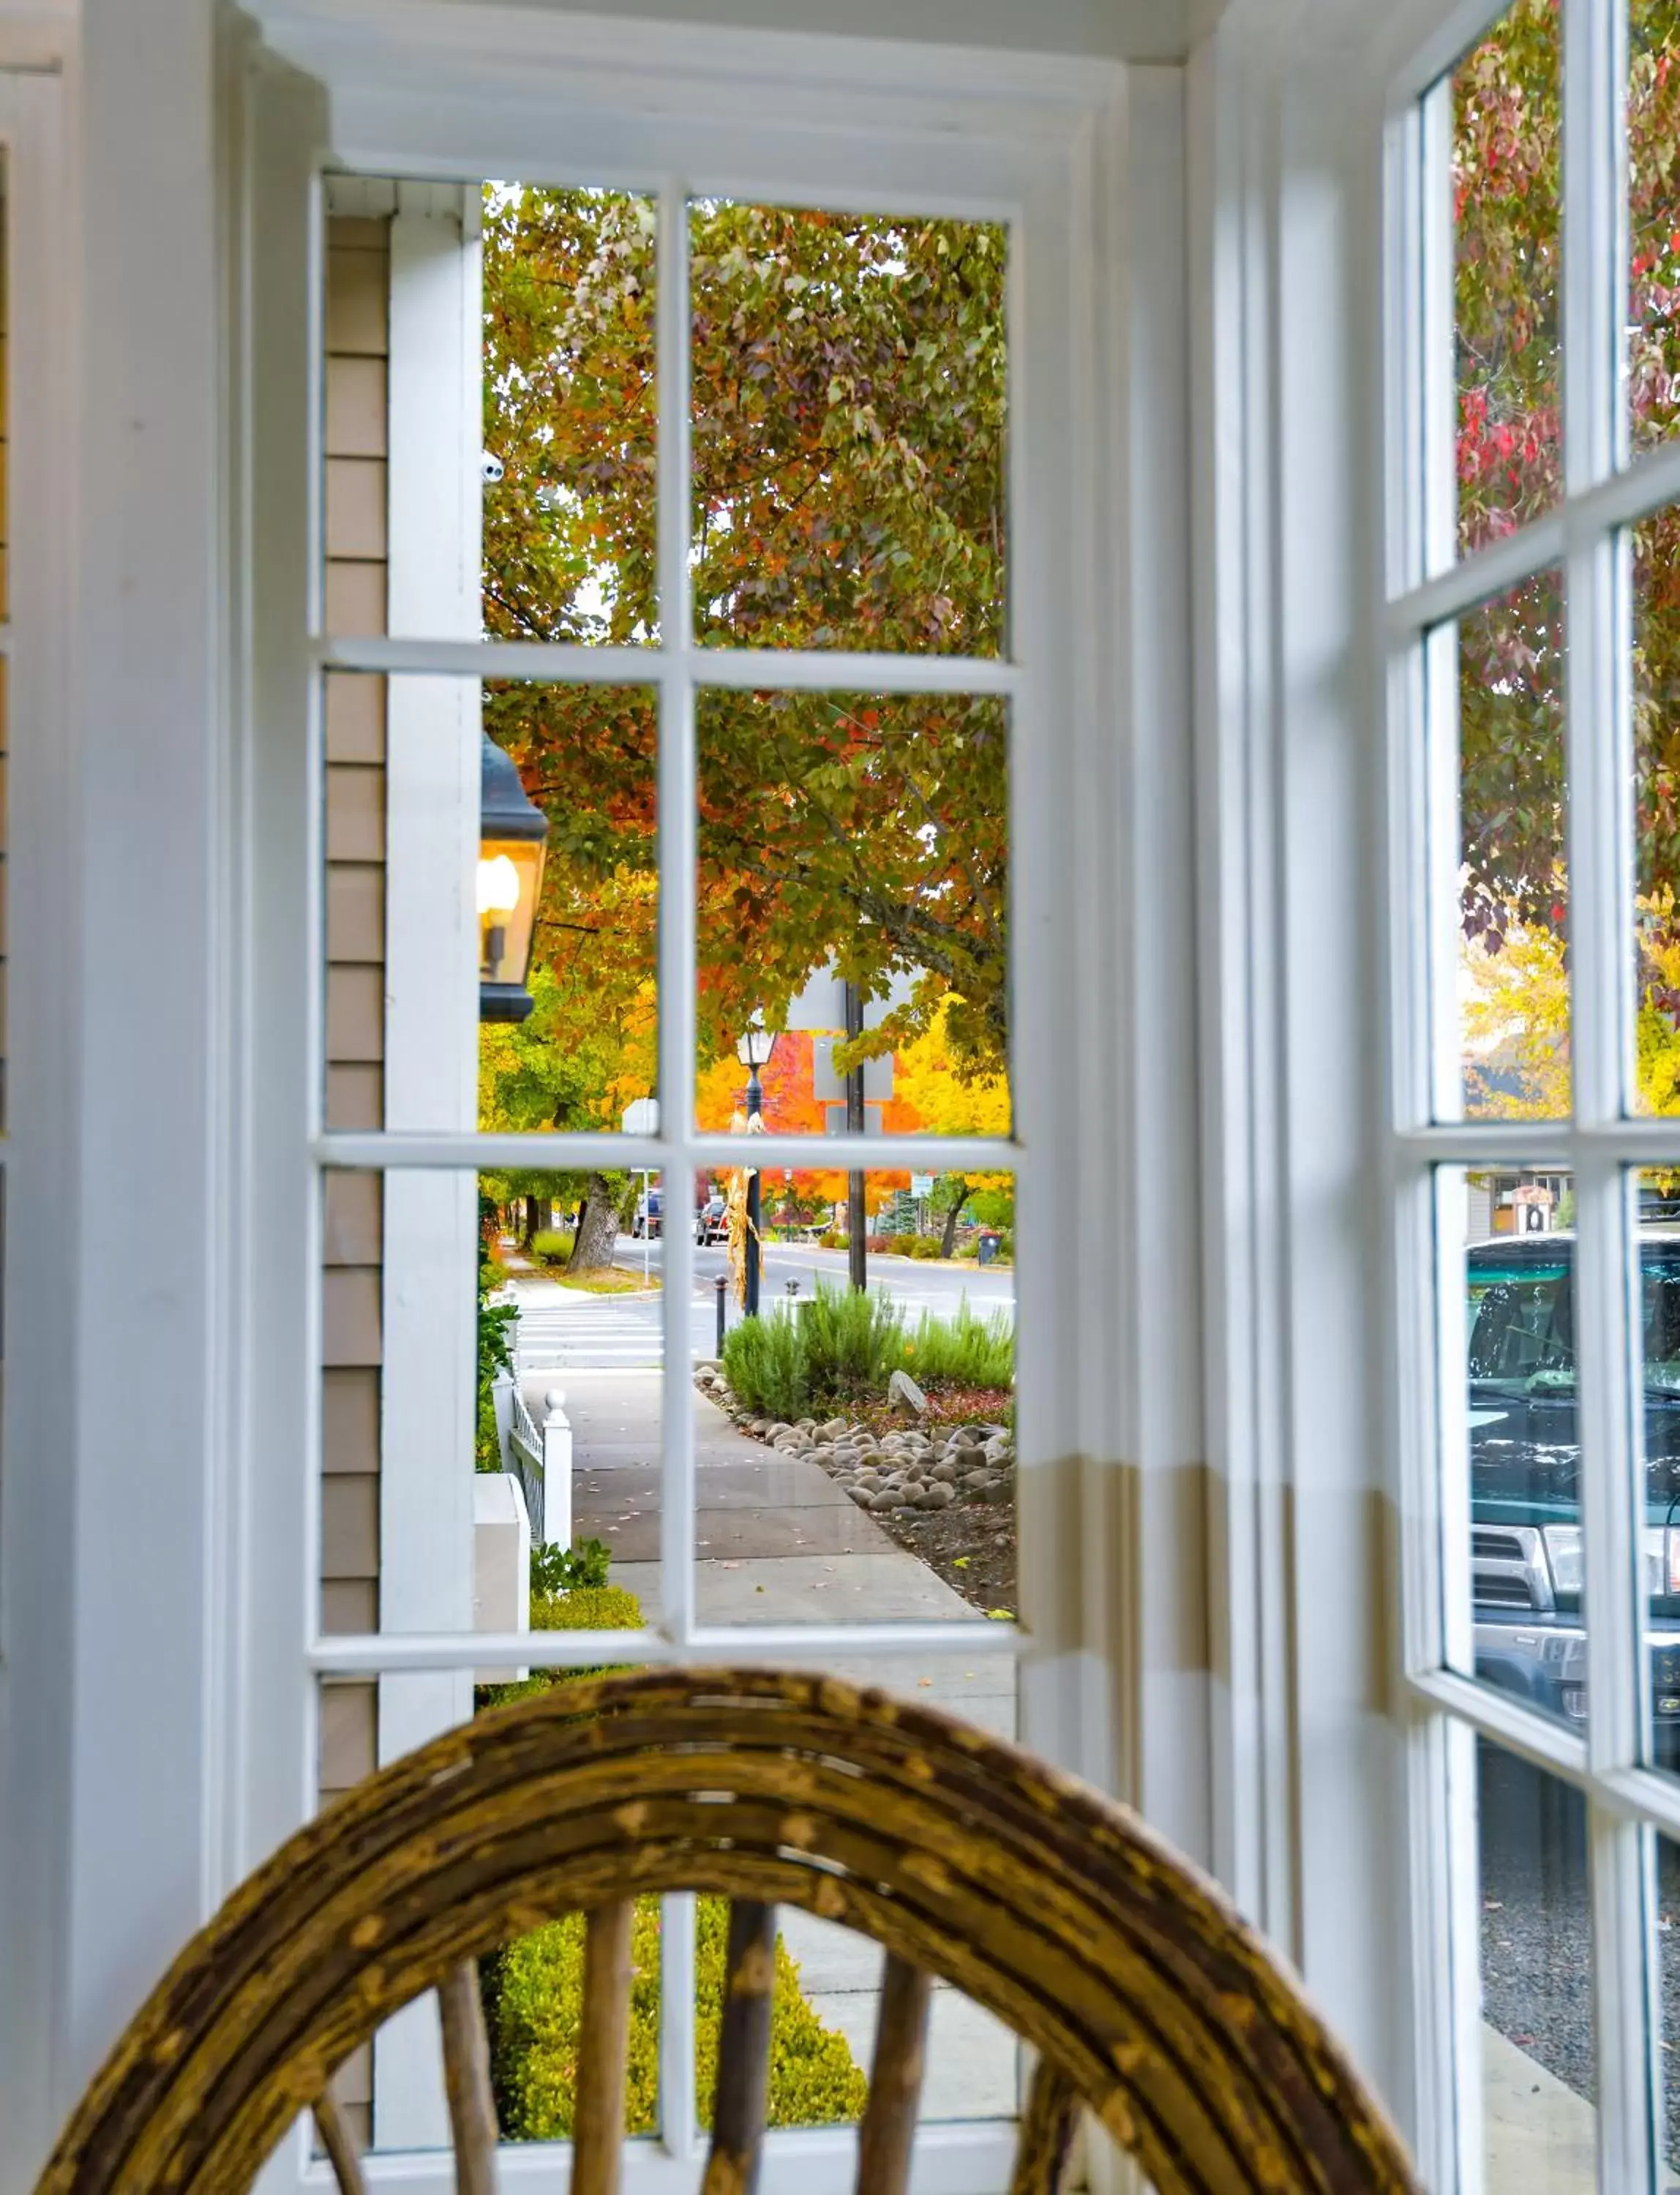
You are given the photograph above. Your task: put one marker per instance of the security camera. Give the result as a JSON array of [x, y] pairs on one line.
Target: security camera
[[491, 466]]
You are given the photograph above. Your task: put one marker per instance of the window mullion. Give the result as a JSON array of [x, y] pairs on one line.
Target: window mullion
[[1592, 227], [1626, 2001], [677, 887], [676, 827], [1600, 908], [1430, 351]]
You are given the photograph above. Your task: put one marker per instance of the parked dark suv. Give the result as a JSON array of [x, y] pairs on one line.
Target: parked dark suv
[[1525, 1473]]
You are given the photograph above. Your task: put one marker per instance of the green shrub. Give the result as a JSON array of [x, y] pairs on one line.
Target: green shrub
[[539, 1997], [584, 1608], [587, 1608], [533, 1987], [843, 1347], [853, 1343], [553, 1246], [560, 1570], [966, 1349], [925, 1245], [765, 1363], [497, 1324]]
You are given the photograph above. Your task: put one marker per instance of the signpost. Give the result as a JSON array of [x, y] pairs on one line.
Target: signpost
[[829, 1005], [641, 1118]]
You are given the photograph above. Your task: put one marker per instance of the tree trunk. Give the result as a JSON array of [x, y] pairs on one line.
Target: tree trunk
[[949, 1242], [533, 1221], [597, 1230]]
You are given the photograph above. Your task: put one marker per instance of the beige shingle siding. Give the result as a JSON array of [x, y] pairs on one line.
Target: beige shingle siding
[[357, 319]]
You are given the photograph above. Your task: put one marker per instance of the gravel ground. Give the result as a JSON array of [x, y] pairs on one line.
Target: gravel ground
[[1536, 1932]]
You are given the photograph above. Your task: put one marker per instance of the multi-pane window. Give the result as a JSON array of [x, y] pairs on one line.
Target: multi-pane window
[[1534, 639], [677, 523]]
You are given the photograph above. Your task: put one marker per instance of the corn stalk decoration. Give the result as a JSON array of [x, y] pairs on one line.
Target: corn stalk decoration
[[736, 1204]]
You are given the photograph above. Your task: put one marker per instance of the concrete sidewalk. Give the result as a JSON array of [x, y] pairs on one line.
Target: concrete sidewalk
[[776, 1541]]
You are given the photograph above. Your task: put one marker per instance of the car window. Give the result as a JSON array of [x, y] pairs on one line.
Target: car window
[[1521, 1324]]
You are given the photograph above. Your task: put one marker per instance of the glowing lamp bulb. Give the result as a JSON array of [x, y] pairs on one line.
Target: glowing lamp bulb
[[498, 886]]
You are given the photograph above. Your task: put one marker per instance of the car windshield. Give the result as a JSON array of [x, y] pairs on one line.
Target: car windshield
[[1521, 1323]]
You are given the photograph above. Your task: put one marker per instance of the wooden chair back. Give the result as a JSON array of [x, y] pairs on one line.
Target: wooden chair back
[[1147, 2000]]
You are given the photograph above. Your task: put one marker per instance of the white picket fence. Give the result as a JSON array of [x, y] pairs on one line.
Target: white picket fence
[[540, 1458]]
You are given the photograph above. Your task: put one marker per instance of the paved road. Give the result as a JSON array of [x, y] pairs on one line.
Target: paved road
[[565, 1329], [918, 1287]]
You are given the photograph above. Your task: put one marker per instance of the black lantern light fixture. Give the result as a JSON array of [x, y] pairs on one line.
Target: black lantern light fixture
[[753, 1051], [512, 830]]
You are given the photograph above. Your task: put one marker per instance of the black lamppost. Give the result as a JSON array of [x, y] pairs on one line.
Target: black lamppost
[[754, 1052], [512, 830]]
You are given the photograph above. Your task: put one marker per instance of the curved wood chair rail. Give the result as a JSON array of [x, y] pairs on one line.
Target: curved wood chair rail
[[1144, 1995]]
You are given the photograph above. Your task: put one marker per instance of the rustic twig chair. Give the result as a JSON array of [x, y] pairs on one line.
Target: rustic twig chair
[[1145, 1997]]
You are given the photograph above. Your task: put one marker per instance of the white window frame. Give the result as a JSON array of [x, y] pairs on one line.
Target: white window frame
[[1095, 307], [1426, 589]]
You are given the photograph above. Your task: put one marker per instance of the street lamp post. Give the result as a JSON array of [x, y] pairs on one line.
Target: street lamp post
[[753, 1051]]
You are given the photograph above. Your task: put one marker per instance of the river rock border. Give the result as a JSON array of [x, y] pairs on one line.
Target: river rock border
[[961, 1465]]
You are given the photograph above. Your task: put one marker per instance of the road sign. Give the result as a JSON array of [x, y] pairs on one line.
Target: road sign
[[641, 1117], [921, 1184], [836, 1119], [827, 1083], [822, 1003]]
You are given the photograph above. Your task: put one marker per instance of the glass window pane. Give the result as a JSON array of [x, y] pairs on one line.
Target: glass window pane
[[849, 403], [1499, 878], [1655, 555], [1507, 240], [856, 1449], [391, 2089], [1539, 2076], [860, 842], [489, 412], [825, 2010], [492, 903], [1511, 1436], [570, 414], [1656, 1341], [490, 1399], [1666, 1965], [1653, 222]]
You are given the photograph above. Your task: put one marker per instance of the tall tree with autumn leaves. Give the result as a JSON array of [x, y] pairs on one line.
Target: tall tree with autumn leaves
[[848, 423]]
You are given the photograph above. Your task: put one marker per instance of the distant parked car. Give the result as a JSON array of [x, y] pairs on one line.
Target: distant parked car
[[710, 1222]]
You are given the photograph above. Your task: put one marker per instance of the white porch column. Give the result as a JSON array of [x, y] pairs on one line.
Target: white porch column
[[431, 1015]]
